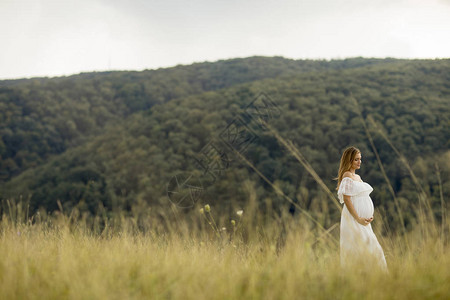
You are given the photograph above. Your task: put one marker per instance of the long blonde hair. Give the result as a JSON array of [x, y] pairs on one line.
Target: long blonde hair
[[346, 162]]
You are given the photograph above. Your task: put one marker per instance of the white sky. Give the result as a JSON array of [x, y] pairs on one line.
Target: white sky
[[63, 37]]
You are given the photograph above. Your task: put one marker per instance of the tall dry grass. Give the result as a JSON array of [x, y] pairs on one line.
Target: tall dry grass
[[287, 258]]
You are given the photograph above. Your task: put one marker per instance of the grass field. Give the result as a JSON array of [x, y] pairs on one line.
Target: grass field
[[287, 258]]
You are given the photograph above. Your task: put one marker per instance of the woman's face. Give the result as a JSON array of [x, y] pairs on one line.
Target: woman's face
[[356, 164]]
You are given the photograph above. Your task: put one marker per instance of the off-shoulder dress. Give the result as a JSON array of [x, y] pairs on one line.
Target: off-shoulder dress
[[357, 239]]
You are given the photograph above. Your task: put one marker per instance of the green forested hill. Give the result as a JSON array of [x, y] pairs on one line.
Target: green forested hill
[[44, 116], [117, 138]]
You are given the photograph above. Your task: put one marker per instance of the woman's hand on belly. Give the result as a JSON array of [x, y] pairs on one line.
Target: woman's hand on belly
[[364, 221]]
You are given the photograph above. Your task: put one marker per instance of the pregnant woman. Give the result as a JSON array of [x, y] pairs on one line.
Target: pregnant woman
[[358, 242]]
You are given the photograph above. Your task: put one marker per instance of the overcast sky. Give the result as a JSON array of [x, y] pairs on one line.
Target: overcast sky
[[64, 37]]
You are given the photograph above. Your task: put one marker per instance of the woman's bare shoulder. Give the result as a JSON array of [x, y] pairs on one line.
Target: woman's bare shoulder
[[347, 174]]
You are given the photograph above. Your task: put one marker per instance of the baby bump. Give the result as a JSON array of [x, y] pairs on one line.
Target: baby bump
[[363, 206]]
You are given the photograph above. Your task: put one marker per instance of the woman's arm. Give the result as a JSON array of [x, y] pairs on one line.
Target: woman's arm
[[352, 211]]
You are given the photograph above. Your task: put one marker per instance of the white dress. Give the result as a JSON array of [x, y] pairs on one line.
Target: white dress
[[357, 239]]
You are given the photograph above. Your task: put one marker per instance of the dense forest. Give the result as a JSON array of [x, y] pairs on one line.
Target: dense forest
[[109, 141]]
